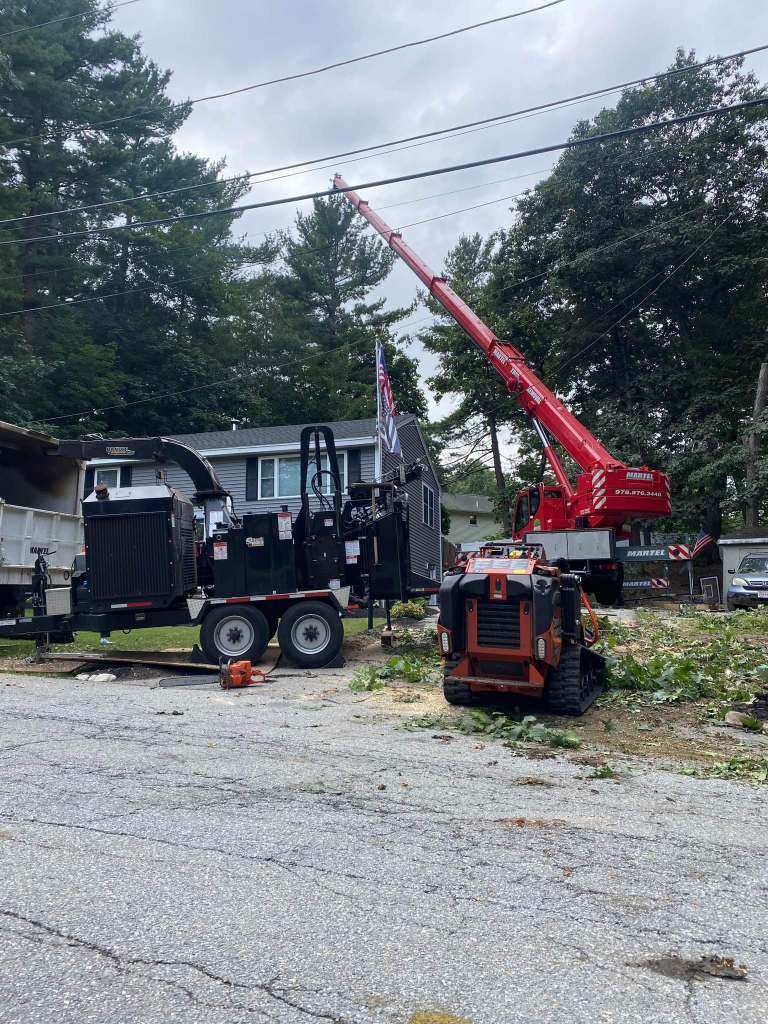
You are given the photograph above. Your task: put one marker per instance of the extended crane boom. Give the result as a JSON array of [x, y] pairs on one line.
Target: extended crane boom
[[608, 492]]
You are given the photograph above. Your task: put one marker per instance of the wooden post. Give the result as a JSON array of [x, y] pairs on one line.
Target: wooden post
[[386, 634], [752, 467]]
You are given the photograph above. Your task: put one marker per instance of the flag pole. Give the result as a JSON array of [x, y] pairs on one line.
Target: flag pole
[[378, 458]]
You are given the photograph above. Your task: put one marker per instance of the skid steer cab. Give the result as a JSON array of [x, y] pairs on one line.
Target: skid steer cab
[[511, 623]]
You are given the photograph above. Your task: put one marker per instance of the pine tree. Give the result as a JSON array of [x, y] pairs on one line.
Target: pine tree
[[332, 264]]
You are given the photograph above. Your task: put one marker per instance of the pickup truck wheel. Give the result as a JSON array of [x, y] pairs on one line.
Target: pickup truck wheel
[[236, 632], [310, 634]]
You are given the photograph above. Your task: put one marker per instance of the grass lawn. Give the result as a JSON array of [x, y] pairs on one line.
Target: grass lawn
[[168, 638]]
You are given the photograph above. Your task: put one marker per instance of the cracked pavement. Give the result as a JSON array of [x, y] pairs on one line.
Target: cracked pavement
[[286, 854]]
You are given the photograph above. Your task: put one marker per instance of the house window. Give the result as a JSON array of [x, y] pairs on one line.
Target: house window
[[473, 520], [108, 477], [278, 476], [428, 506]]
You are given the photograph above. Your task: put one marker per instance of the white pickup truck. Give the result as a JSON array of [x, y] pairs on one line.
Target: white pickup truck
[[40, 494]]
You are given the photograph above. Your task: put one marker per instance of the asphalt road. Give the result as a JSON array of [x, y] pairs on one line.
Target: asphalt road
[[290, 856]]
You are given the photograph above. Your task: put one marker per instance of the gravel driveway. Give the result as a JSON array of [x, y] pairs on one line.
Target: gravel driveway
[[287, 854]]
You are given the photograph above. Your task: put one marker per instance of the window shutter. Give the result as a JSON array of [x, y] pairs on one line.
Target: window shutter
[[251, 479], [353, 466], [126, 476]]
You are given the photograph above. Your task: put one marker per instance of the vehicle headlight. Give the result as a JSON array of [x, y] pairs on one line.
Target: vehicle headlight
[[541, 648], [739, 581], [445, 643]]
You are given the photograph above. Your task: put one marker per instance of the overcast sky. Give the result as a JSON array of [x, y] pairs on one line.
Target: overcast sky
[[571, 48]]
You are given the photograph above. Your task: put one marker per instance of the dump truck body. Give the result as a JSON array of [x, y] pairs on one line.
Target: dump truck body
[[40, 494]]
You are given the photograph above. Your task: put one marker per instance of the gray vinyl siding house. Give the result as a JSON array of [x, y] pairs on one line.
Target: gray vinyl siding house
[[259, 467]]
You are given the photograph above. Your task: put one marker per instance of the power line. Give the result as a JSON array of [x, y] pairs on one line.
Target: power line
[[594, 252], [193, 249], [292, 77], [324, 193], [232, 378], [667, 276], [69, 17], [489, 122], [245, 261], [211, 384], [198, 249], [466, 209]]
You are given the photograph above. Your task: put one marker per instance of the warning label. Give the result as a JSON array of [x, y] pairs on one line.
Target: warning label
[[284, 525]]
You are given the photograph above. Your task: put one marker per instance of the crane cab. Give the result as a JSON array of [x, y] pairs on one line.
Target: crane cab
[[541, 507]]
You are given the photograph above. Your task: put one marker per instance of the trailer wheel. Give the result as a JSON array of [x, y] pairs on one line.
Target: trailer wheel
[[240, 632], [310, 634], [576, 683], [455, 690]]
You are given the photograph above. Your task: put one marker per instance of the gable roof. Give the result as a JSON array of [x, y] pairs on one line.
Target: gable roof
[[468, 503], [258, 437], [745, 534]]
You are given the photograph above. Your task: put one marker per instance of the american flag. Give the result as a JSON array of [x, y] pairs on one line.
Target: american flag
[[703, 541], [386, 404]]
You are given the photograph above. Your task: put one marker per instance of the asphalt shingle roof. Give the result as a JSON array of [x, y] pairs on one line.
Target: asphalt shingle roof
[[284, 434], [468, 503]]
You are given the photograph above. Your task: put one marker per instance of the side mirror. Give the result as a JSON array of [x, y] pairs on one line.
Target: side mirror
[[731, 572]]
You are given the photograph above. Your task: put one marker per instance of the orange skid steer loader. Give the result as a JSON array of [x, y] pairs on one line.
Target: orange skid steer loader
[[511, 623]]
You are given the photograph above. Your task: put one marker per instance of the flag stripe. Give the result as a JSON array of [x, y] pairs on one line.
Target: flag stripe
[[387, 411]]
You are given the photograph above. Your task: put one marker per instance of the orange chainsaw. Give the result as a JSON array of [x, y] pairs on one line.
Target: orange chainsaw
[[235, 675]]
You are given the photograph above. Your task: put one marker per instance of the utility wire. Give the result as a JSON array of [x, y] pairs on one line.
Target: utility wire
[[488, 122], [241, 375], [232, 378], [246, 261], [70, 17], [594, 252], [589, 140], [288, 78], [193, 249], [667, 275], [243, 261]]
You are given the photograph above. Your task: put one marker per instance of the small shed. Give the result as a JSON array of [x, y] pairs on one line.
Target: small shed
[[738, 543]]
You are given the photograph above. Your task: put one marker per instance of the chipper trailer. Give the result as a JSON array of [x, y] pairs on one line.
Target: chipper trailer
[[511, 622], [243, 579]]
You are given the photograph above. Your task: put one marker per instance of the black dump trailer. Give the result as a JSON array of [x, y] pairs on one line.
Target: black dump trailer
[[147, 561]]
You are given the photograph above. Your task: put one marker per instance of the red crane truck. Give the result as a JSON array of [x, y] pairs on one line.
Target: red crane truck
[[585, 526]]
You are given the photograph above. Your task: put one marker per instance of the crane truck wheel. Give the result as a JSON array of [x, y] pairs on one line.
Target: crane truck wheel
[[310, 634], [239, 632], [576, 683], [455, 690]]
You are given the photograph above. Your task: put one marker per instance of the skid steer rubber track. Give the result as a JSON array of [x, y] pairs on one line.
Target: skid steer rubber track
[[456, 691], [576, 682]]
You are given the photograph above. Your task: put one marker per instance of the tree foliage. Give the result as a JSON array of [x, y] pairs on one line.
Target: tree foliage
[[634, 279], [188, 311]]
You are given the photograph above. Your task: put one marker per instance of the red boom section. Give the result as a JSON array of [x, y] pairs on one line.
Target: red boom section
[[608, 493], [531, 392]]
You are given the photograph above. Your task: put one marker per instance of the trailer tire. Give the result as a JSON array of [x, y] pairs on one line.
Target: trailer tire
[[608, 594], [576, 683], [310, 634], [237, 632], [456, 691]]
